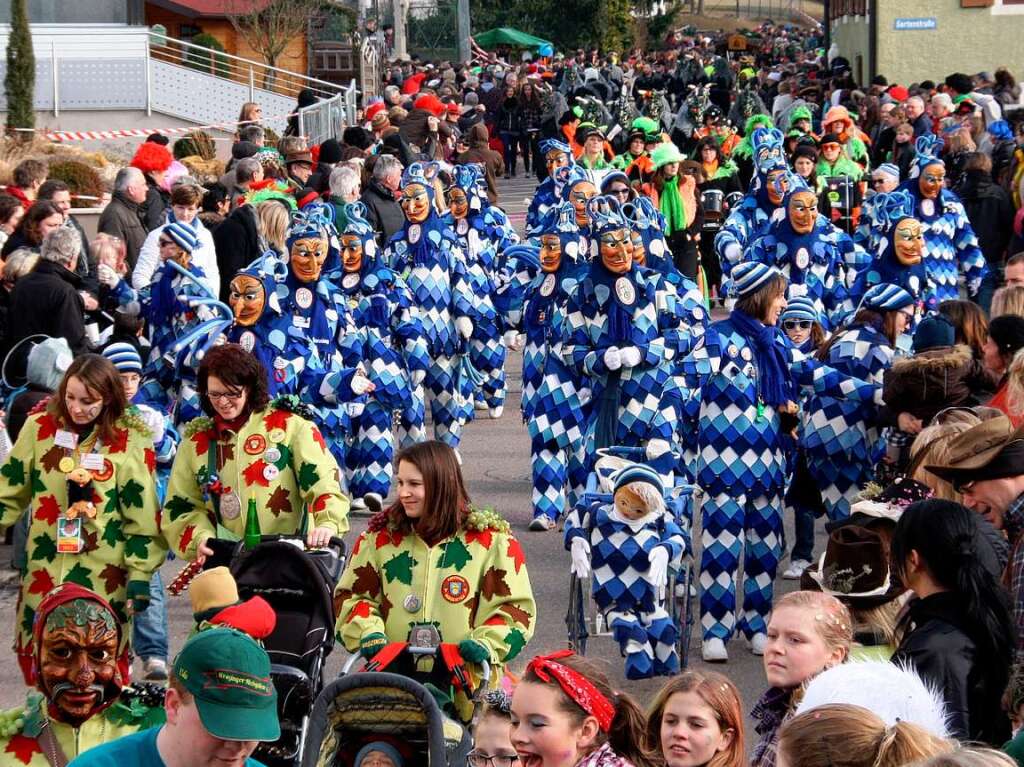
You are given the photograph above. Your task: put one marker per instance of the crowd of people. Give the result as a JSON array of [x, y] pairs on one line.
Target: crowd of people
[[781, 292]]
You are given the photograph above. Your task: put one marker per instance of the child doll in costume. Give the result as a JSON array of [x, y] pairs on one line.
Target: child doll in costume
[[557, 154]]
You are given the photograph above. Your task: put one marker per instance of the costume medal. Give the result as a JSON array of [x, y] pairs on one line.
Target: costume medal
[[411, 603], [548, 286], [350, 280], [230, 506], [625, 291]]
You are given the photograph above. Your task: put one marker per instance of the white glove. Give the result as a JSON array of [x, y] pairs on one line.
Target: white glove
[[465, 326], [732, 253], [107, 276], [154, 422], [878, 399], [613, 358], [630, 356], [510, 337], [417, 376], [657, 573], [580, 550], [361, 384]]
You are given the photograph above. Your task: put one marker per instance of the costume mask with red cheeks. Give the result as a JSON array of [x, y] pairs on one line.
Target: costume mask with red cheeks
[[803, 211]]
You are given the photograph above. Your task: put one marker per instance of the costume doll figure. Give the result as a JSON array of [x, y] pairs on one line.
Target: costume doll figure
[[803, 246], [388, 341], [479, 248], [612, 335], [426, 253], [900, 243], [950, 245], [748, 376], [579, 188], [630, 544], [557, 154]]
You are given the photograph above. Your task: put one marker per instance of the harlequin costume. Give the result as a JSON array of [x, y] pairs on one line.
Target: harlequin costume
[[741, 464], [473, 585], [548, 191], [426, 254], [951, 247], [620, 559], [897, 260], [276, 458], [842, 438], [35, 735], [113, 549], [615, 313], [389, 341]]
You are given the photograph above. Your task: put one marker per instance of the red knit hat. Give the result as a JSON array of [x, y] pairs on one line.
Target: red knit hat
[[412, 83], [899, 93], [374, 109], [430, 103], [152, 158]]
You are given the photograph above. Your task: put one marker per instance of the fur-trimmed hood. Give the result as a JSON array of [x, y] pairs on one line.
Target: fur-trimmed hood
[[939, 358], [942, 377]]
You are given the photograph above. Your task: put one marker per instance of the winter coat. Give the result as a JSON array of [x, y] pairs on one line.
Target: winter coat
[[204, 256], [480, 151], [472, 585], [123, 218], [928, 382], [510, 116], [122, 543], [277, 458], [414, 129], [237, 244], [990, 211], [46, 300], [154, 209], [383, 211], [945, 652]]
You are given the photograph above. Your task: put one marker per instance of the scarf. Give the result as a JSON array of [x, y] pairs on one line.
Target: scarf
[[710, 170], [775, 385], [671, 204]]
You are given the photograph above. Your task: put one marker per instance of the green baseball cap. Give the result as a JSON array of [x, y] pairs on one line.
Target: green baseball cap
[[228, 674]]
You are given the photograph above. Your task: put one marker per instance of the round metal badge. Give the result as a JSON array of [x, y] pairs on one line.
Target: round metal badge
[[462, 227], [411, 603], [230, 506], [276, 435], [548, 286], [271, 472], [733, 350], [273, 455], [414, 233], [350, 280], [802, 258], [746, 354], [247, 340], [304, 297], [625, 291]]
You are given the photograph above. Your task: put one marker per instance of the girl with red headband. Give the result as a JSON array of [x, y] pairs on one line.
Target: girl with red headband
[[565, 714]]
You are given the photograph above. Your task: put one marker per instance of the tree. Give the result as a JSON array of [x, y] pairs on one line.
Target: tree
[[20, 81], [269, 25]]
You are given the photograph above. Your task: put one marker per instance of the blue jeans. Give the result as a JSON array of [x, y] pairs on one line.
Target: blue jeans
[[149, 630]]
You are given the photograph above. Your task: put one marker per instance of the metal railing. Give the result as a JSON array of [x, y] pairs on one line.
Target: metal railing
[[326, 119], [255, 74]]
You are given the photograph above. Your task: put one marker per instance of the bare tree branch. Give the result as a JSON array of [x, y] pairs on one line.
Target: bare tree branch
[[269, 25]]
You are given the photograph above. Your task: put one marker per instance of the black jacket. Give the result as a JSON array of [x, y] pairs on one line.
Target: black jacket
[[384, 212], [237, 242], [46, 301], [123, 218], [945, 652], [990, 211], [155, 207]]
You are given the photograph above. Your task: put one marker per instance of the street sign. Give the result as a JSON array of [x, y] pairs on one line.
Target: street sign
[[916, 24]]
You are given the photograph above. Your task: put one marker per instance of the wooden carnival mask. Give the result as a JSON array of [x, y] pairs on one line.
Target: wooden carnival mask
[[351, 253], [307, 258], [933, 178], [803, 211], [247, 298], [416, 203], [458, 203], [908, 241], [616, 249]]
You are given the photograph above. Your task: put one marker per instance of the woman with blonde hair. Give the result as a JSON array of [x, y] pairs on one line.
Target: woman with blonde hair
[[931, 447], [696, 720], [970, 756], [273, 220], [840, 735], [1008, 299]]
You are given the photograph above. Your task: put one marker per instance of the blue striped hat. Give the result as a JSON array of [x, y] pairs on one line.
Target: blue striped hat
[[124, 356], [886, 297], [751, 275], [800, 308], [889, 170], [183, 234], [638, 472]]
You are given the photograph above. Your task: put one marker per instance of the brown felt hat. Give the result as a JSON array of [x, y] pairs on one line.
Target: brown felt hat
[[991, 450], [855, 568], [304, 156]]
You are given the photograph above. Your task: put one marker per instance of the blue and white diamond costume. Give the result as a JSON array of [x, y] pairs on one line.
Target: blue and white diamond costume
[[888, 210], [549, 191], [741, 465], [426, 254], [622, 558], [841, 438]]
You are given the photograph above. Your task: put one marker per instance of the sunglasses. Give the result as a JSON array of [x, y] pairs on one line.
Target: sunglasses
[[796, 324], [619, 191]]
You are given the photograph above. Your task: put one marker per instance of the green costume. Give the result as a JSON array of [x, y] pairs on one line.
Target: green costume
[[843, 166]]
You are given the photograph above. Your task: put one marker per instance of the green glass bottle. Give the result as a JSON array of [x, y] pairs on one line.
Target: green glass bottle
[[252, 526]]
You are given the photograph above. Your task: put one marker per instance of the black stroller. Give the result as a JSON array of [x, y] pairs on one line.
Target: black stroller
[[299, 585]]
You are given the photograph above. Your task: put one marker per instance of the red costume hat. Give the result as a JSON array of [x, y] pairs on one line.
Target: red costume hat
[[152, 158]]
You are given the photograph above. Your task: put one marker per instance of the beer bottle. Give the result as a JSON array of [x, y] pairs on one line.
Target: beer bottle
[[252, 526]]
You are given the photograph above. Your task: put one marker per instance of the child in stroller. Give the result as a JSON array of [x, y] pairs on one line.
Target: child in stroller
[[630, 541]]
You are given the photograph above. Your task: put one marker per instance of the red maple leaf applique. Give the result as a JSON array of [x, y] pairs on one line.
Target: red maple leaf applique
[[515, 551], [186, 538], [150, 459], [319, 439], [202, 441], [276, 419], [320, 503], [119, 443], [483, 537], [47, 427], [388, 537], [361, 610], [42, 582], [48, 510], [23, 747], [253, 474], [496, 620], [359, 543]]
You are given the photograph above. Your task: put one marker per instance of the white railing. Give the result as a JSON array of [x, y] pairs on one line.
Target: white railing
[[326, 119]]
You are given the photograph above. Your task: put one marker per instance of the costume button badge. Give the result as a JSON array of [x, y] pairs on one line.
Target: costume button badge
[[746, 354], [66, 464], [411, 603], [230, 506], [247, 341], [350, 280], [271, 472], [548, 286], [276, 435], [273, 455], [414, 233], [462, 227], [802, 259], [304, 297], [625, 291]]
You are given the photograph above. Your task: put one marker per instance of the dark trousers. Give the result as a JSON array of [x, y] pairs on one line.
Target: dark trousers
[[510, 142]]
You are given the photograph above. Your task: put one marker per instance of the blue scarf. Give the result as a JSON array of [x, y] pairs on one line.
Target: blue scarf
[[433, 230], [775, 385]]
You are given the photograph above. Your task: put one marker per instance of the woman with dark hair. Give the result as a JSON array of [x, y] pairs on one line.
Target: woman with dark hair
[[82, 468], [958, 633], [843, 440], [749, 376], [1005, 339], [431, 558], [719, 172], [11, 213], [969, 323], [41, 219], [306, 98], [805, 164], [249, 449]]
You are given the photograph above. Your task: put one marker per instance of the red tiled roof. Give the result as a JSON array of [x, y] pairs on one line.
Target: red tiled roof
[[208, 8]]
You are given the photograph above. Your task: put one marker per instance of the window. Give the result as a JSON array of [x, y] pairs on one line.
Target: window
[[187, 31]]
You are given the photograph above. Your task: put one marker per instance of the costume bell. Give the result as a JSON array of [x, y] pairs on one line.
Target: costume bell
[[843, 439], [426, 253], [631, 543], [389, 342], [557, 154], [747, 374]]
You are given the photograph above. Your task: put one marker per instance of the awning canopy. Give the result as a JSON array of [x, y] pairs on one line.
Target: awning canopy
[[492, 38]]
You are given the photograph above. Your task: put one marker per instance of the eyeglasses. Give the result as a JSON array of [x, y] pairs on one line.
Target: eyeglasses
[[217, 396], [796, 324], [480, 759], [619, 191], [877, 181]]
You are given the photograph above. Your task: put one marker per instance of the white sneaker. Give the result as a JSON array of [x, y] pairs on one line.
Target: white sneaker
[[796, 569], [154, 670], [497, 411], [542, 523], [757, 643], [713, 651], [374, 502]]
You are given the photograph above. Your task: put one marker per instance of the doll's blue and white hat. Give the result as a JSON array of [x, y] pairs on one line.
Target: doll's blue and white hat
[[638, 472]]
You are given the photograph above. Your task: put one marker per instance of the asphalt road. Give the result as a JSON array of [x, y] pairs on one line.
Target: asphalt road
[[496, 464]]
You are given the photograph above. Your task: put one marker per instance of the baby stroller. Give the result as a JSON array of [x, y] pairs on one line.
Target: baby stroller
[[583, 619], [299, 585], [359, 708]]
